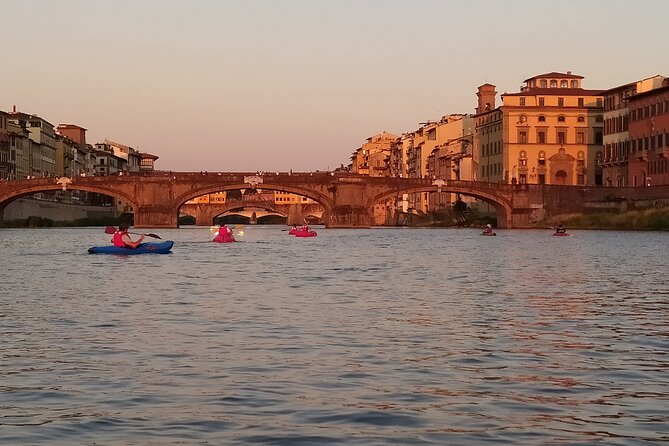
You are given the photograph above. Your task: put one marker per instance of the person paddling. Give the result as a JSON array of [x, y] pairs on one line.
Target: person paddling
[[560, 229], [122, 239], [488, 230]]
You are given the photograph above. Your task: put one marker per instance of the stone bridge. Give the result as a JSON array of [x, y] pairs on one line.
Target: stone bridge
[[347, 199]]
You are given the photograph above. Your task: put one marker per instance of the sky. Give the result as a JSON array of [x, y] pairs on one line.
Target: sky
[[248, 85]]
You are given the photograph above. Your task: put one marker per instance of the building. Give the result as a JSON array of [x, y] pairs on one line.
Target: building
[[615, 156], [372, 158], [130, 156], [75, 163], [649, 137], [550, 132], [7, 163], [42, 153]]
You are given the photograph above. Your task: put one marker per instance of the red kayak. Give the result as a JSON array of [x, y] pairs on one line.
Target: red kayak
[[302, 233], [224, 235], [561, 234], [224, 239]]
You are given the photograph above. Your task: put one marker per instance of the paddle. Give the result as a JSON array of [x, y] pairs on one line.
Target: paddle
[[112, 229]]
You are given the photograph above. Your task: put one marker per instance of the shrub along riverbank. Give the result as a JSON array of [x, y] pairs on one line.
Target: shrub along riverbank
[[648, 219]]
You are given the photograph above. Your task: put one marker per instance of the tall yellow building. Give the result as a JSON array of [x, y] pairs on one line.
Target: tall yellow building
[[548, 133]]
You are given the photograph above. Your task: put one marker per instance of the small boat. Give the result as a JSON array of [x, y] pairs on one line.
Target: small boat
[[224, 238], [301, 233], [561, 234], [143, 248], [223, 234], [488, 234]]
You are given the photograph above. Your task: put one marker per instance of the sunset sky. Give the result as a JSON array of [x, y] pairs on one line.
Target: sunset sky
[[252, 85]]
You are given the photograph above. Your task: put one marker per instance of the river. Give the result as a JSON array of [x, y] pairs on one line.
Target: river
[[355, 337]]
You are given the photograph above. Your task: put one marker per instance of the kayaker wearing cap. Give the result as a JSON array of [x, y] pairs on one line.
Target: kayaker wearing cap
[[488, 229], [122, 239]]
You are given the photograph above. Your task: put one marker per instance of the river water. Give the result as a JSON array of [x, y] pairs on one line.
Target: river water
[[354, 337]]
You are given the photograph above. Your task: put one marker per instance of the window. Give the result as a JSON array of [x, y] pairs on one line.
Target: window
[[574, 83], [544, 83], [541, 102], [553, 83], [522, 137], [564, 83], [522, 119], [560, 102], [598, 137], [541, 136], [542, 178], [542, 158], [580, 137], [561, 137], [561, 118], [522, 102], [542, 118], [600, 102], [581, 118], [580, 102]]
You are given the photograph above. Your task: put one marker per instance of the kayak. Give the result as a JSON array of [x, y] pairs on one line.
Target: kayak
[[305, 234], [144, 248], [489, 234], [224, 238], [561, 234]]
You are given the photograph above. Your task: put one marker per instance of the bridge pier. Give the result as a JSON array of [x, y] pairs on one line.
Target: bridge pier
[[155, 217], [348, 216]]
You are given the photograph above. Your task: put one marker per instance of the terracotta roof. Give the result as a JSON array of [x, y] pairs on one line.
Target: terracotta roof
[[648, 93], [555, 74], [556, 92]]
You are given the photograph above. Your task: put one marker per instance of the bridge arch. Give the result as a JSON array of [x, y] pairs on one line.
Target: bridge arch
[[37, 188], [502, 206], [206, 213], [313, 194]]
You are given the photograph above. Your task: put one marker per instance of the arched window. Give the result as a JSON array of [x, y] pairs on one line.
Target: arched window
[[522, 119], [574, 83], [561, 118], [581, 118], [544, 83], [542, 118], [553, 83], [564, 84]]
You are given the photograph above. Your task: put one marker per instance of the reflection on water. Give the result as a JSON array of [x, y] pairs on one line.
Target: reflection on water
[[382, 336]]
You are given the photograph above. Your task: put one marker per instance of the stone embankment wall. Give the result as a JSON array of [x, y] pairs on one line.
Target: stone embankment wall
[[24, 208]]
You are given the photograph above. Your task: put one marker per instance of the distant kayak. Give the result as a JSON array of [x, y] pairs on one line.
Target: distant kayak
[[225, 238], [488, 234], [300, 233], [561, 234], [143, 248]]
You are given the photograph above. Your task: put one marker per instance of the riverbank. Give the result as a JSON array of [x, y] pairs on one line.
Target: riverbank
[[655, 219]]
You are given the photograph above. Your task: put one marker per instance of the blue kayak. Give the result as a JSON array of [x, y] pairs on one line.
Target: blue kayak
[[144, 248]]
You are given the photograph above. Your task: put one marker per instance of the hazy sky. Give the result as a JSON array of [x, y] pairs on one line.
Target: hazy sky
[[300, 84]]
